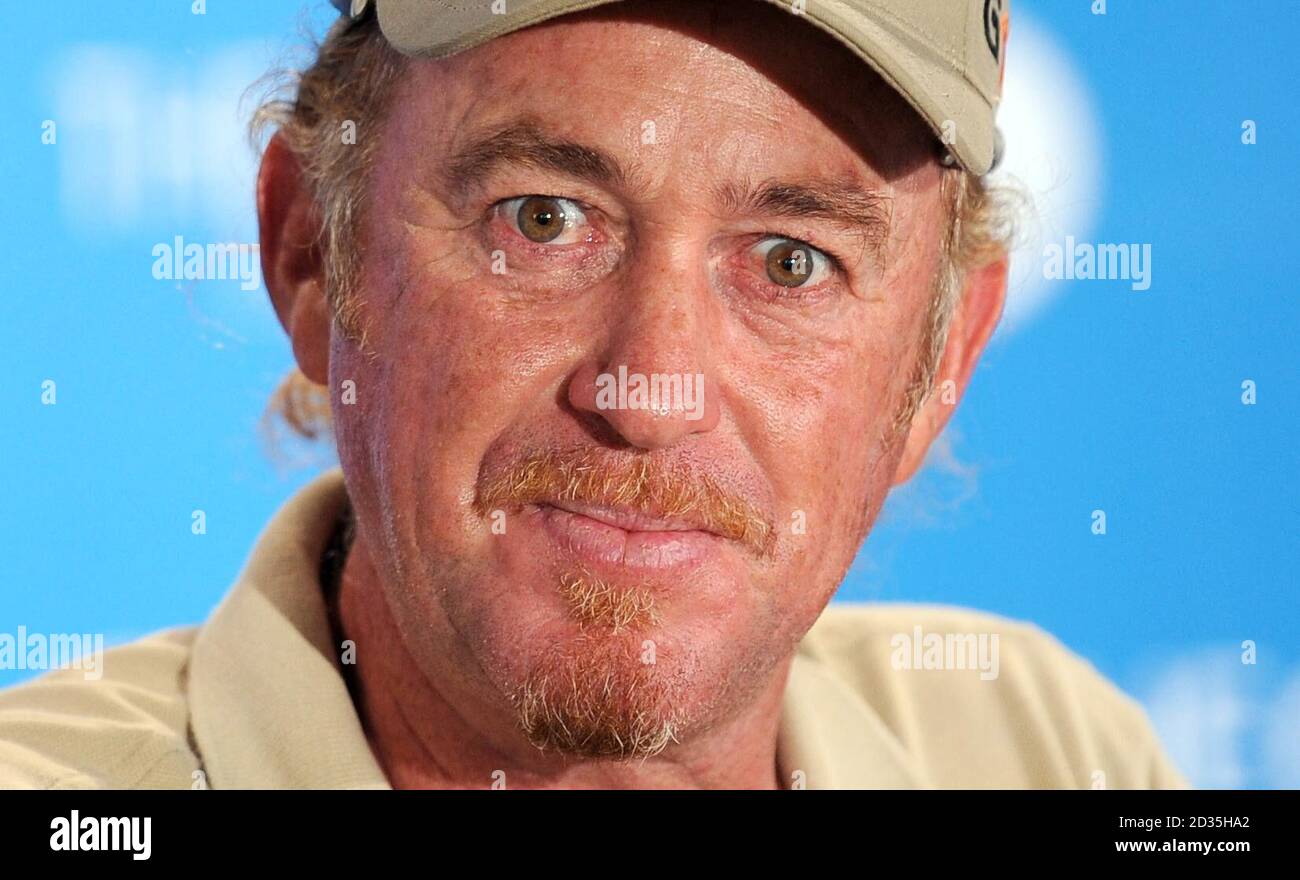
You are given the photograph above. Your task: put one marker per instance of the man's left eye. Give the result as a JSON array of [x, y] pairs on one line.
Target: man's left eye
[[792, 263], [546, 219]]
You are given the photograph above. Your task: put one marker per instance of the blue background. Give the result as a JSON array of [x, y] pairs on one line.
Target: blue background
[[1104, 399]]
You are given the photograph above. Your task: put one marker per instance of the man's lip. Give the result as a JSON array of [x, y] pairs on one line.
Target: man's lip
[[617, 539], [626, 518]]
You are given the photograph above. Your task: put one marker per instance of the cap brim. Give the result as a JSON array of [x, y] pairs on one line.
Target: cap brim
[[929, 82]]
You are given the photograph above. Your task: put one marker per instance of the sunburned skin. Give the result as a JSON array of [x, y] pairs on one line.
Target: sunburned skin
[[587, 596]]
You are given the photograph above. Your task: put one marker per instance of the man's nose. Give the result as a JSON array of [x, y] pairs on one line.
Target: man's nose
[[653, 382]]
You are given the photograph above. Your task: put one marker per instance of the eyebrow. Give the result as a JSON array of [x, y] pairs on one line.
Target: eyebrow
[[523, 142], [866, 212]]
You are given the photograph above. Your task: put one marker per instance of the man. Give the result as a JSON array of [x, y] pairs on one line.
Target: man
[[629, 317]]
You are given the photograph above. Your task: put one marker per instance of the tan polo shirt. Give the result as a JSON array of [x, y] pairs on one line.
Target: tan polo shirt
[[254, 698]]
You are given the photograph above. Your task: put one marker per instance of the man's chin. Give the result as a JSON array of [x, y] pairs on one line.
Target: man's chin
[[615, 668], [600, 694]]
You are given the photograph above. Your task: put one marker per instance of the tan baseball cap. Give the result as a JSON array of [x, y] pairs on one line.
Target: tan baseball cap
[[946, 57]]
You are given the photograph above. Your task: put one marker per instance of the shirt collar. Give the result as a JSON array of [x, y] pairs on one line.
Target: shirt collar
[[831, 734], [270, 708]]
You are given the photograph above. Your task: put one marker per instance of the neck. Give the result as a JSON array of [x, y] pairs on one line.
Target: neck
[[441, 728]]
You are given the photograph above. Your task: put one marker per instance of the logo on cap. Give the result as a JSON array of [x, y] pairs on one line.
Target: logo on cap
[[993, 26], [997, 30]]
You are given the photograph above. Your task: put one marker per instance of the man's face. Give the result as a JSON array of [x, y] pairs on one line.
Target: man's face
[[672, 192]]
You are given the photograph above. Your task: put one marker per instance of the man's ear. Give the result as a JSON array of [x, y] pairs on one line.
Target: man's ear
[[292, 262], [976, 315]]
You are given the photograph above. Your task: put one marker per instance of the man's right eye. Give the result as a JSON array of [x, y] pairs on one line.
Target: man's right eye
[[546, 219]]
